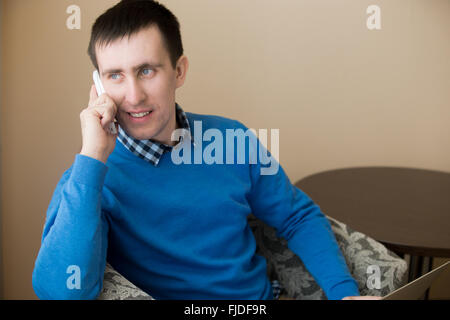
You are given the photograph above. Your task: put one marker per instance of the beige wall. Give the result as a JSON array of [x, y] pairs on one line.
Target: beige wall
[[340, 94]]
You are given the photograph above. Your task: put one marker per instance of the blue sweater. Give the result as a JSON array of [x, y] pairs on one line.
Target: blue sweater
[[179, 231]]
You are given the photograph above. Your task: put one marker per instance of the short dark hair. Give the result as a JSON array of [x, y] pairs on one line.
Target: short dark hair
[[130, 16]]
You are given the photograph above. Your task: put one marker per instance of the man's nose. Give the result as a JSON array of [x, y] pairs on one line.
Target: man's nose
[[135, 93]]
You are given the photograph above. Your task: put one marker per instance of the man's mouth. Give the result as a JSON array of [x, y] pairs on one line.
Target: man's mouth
[[139, 115]]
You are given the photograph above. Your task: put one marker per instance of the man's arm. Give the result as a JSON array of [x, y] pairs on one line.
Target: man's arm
[[72, 257], [299, 220]]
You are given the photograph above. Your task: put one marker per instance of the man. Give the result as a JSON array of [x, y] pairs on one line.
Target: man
[[177, 231]]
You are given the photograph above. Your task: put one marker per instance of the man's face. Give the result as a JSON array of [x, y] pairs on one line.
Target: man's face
[[138, 75]]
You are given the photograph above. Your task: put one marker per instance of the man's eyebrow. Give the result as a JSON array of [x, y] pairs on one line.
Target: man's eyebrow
[[149, 65]]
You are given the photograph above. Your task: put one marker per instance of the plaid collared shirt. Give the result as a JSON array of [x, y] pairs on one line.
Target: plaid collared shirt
[[150, 150]]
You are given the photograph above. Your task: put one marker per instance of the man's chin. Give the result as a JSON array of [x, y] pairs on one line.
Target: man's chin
[[138, 134]]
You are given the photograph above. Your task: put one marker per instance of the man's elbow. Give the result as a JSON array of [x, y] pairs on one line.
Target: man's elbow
[[46, 289]]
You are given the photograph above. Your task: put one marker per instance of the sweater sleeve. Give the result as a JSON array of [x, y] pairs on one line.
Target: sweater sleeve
[[72, 258], [299, 220]]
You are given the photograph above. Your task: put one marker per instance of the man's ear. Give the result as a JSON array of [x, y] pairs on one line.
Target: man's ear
[[181, 70]]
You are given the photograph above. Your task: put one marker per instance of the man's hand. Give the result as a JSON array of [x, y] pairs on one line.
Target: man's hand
[[362, 298], [98, 142]]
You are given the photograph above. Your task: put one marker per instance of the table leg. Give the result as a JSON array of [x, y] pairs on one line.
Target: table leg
[[418, 266], [429, 267], [415, 267]]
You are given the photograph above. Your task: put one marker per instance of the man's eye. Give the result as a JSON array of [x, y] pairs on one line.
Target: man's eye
[[115, 76], [146, 71]]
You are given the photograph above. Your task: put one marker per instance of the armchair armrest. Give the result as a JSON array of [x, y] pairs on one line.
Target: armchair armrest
[[117, 287], [359, 250]]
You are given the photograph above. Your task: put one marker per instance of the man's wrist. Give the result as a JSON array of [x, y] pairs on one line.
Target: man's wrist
[[95, 155]]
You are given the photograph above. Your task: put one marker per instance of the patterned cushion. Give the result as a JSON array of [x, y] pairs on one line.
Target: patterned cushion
[[116, 287], [359, 250]]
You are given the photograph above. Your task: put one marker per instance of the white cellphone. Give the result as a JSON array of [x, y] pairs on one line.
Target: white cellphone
[[100, 91]]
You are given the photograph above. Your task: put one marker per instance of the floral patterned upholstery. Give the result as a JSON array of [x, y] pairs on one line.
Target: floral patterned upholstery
[[116, 287]]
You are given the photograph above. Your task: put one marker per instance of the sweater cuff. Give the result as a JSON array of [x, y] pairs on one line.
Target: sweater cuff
[[342, 290], [89, 171]]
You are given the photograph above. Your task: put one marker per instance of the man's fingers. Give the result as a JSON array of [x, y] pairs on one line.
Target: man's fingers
[[102, 108], [105, 112], [103, 102], [108, 117], [362, 298], [95, 99], [92, 95]]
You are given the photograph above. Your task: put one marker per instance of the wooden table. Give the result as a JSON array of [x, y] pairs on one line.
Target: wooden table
[[406, 209]]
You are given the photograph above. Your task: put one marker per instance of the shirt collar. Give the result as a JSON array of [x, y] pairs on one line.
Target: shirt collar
[[149, 150]]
